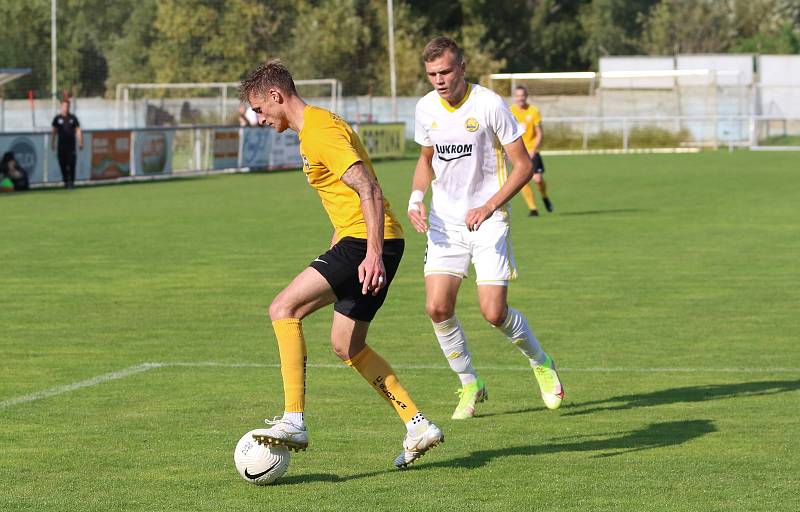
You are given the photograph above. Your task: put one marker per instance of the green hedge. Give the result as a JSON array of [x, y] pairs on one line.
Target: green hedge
[[563, 137]]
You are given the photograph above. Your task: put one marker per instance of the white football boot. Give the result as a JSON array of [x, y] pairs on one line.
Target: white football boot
[[415, 447], [282, 433]]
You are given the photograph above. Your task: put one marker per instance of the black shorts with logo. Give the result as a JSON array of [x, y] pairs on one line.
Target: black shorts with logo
[[538, 165], [339, 266]]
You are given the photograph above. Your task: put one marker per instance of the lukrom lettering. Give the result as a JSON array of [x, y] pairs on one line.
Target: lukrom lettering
[[453, 149]]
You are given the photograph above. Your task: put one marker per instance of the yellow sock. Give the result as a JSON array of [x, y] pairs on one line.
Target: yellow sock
[[542, 186], [380, 375], [527, 195], [292, 349]]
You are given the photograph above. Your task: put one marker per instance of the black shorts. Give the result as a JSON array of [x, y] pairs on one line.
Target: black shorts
[[339, 266], [538, 165]]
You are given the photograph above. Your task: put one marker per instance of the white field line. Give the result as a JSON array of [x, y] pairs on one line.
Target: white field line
[[66, 388], [520, 367], [144, 367]]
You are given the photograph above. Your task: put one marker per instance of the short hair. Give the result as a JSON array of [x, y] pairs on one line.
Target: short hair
[[272, 74], [66, 100], [438, 45], [521, 88]]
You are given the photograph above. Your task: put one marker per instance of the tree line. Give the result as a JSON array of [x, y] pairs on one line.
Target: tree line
[[105, 42]]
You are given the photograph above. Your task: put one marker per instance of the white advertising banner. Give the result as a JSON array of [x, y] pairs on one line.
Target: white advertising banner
[[636, 63], [783, 70], [727, 69]]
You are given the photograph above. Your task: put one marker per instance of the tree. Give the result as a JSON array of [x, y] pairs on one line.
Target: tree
[[688, 26], [332, 40], [26, 45], [409, 39], [557, 36], [129, 52], [767, 26], [613, 27], [207, 40]]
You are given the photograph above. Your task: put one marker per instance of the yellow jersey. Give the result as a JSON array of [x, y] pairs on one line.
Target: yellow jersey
[[329, 146], [528, 119]]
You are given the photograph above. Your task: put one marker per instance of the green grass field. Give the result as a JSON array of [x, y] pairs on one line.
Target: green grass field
[[666, 287]]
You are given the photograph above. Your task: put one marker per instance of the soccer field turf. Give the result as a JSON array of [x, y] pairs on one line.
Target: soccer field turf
[[136, 347]]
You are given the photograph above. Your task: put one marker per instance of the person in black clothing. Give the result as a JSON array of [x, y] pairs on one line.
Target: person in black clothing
[[10, 168], [67, 130]]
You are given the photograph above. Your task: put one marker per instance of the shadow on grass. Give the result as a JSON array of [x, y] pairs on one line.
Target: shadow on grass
[[504, 413], [656, 435], [684, 395], [602, 212]]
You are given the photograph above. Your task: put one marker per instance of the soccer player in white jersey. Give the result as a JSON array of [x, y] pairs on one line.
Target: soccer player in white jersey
[[464, 129]]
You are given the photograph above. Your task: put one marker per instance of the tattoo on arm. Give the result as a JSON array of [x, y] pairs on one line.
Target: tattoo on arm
[[359, 179]]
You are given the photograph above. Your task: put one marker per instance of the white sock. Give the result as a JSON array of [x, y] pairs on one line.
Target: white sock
[[454, 346], [417, 425], [295, 418], [519, 333]]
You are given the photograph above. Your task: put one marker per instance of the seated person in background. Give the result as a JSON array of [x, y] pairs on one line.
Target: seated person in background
[[10, 171]]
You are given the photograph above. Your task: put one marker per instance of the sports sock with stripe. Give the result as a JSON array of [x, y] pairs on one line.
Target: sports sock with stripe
[[292, 350], [375, 370], [454, 346], [519, 333]]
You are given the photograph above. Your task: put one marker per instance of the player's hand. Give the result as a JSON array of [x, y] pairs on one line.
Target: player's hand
[[417, 216], [372, 274], [476, 216]]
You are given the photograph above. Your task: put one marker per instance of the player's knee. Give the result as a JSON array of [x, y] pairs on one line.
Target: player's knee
[[494, 315], [280, 309], [537, 177], [439, 312], [347, 348], [341, 351]]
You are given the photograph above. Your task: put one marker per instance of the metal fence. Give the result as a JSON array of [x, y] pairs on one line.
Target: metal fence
[[163, 152]]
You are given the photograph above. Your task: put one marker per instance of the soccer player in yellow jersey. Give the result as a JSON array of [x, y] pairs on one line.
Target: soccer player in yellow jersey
[[530, 120], [354, 275]]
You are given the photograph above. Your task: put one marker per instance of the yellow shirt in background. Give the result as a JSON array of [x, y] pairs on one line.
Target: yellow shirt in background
[[528, 119], [329, 146]]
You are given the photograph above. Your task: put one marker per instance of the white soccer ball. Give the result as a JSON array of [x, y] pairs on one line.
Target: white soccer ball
[[260, 464]]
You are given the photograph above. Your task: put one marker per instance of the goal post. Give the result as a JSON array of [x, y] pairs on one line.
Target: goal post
[[206, 102]]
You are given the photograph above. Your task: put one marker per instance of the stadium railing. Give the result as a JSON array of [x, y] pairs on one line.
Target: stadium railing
[[120, 155]]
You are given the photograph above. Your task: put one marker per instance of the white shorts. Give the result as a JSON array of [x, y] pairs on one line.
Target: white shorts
[[450, 251]]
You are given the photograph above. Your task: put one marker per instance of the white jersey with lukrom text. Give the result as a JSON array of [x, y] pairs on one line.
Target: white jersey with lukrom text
[[468, 159]]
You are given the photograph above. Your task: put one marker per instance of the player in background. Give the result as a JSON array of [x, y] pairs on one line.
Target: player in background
[[463, 130], [530, 120], [354, 275]]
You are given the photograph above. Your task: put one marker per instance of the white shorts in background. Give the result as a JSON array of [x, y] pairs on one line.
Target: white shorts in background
[[450, 251]]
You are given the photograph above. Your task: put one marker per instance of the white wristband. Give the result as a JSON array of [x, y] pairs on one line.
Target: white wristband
[[417, 196]]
